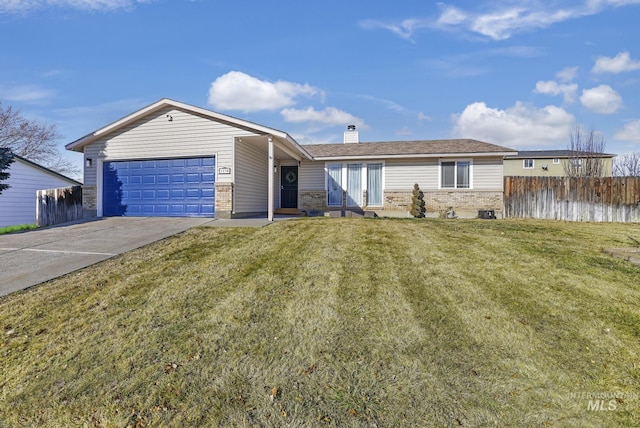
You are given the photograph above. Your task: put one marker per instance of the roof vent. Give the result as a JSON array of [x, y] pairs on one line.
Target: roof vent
[[351, 135]]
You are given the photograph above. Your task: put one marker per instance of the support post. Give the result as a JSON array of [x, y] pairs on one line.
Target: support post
[[270, 181]]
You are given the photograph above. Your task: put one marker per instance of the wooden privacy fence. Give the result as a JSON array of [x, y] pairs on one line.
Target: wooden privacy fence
[[55, 206], [602, 199]]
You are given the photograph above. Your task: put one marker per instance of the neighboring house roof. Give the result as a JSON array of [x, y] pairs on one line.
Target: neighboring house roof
[[46, 170], [420, 148], [550, 154], [78, 144]]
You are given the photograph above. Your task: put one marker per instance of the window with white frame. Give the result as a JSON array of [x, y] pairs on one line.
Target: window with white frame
[[334, 185], [455, 174], [354, 184], [374, 184], [527, 163], [556, 161], [352, 179]]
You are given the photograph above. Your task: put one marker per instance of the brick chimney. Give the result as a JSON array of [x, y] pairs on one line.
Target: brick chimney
[[351, 135]]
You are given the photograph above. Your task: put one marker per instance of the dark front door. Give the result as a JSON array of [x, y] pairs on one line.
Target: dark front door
[[289, 187]]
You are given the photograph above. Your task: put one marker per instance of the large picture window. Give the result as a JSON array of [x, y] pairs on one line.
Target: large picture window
[[351, 179], [455, 174]]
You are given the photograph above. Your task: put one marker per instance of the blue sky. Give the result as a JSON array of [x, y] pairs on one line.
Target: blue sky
[[516, 73]]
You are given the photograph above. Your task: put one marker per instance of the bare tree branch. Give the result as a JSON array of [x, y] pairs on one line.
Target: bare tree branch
[[32, 140], [627, 165], [586, 150]]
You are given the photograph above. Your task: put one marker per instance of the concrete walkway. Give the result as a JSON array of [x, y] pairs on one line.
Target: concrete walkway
[[32, 257]]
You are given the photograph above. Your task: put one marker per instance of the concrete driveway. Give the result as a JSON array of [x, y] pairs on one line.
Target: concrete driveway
[[32, 257]]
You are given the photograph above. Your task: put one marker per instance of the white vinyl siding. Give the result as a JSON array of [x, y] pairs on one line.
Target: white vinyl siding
[[402, 174], [18, 203], [487, 173], [311, 176], [251, 188], [154, 136]]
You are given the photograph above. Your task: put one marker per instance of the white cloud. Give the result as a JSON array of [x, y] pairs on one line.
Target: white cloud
[[239, 91], [630, 132], [403, 29], [28, 94], [551, 87], [618, 64], [499, 22], [601, 99], [422, 116], [502, 24], [519, 126], [451, 16], [329, 116], [23, 6], [567, 74]]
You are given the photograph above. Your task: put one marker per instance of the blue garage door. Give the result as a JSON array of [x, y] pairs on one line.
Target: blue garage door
[[162, 188]]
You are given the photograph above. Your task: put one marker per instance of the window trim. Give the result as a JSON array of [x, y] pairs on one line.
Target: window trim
[[524, 163], [326, 180], [455, 174], [363, 180], [556, 161], [366, 184]]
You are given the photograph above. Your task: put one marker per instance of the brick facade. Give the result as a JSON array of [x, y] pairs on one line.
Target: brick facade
[[89, 201], [224, 200], [315, 200], [400, 200], [437, 200]]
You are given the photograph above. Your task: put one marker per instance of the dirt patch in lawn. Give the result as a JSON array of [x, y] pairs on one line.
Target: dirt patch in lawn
[[629, 254]]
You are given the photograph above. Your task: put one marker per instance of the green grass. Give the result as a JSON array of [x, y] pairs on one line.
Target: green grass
[[17, 228], [334, 322]]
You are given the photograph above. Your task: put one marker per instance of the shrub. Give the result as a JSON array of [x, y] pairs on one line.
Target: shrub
[[417, 202]]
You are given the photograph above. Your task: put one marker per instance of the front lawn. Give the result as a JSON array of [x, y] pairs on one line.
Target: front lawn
[[334, 322]]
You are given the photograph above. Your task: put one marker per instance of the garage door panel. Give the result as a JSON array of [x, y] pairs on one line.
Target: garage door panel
[[170, 187]]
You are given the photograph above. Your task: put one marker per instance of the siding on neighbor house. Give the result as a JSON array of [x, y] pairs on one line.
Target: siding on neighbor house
[[515, 167], [155, 137], [18, 203], [251, 180]]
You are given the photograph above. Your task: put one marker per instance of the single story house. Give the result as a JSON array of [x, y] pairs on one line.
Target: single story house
[[552, 163], [18, 202], [174, 159]]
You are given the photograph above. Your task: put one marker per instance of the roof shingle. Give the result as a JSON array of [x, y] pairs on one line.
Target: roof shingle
[[404, 148]]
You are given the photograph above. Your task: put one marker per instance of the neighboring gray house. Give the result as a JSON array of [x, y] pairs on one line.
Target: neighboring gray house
[[174, 159], [18, 203]]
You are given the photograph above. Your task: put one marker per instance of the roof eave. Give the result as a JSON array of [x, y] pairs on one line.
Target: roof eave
[[413, 155], [89, 138], [46, 170]]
